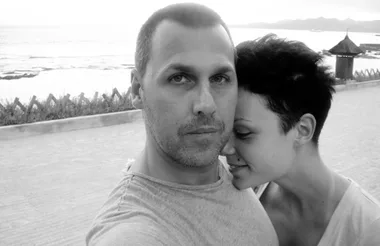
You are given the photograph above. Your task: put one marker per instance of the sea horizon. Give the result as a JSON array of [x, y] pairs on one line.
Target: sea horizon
[[89, 58]]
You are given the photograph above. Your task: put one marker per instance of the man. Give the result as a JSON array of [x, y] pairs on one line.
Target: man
[[177, 192]]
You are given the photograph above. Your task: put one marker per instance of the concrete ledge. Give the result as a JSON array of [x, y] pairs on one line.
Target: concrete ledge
[[85, 122], [356, 85], [69, 124]]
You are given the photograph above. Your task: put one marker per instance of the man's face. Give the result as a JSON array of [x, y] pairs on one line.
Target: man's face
[[189, 92], [263, 152]]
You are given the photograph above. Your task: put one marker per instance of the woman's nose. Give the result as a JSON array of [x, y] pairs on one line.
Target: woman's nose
[[229, 148]]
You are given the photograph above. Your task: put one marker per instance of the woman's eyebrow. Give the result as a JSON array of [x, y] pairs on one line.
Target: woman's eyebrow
[[241, 118]]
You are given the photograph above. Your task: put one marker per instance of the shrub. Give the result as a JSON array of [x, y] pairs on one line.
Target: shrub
[[52, 108]]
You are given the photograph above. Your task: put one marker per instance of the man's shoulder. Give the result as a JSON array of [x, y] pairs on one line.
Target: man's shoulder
[[123, 217], [131, 232]]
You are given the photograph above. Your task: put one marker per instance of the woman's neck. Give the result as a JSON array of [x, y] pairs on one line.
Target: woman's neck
[[314, 188]]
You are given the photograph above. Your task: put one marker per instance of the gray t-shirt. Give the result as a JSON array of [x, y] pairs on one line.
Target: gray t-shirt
[[143, 210]]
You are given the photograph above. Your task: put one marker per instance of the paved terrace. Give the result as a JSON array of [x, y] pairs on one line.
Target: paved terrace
[[51, 186]]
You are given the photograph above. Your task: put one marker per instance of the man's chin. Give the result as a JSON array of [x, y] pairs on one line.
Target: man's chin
[[202, 157], [201, 142]]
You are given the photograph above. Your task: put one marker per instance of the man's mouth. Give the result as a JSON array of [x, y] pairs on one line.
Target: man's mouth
[[204, 130]]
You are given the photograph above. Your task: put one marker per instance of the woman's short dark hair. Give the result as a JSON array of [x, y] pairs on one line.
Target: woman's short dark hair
[[289, 76]]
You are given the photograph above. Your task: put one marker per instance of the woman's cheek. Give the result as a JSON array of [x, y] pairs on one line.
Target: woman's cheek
[[244, 149]]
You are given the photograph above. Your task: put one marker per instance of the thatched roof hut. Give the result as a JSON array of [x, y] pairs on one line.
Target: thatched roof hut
[[346, 47]]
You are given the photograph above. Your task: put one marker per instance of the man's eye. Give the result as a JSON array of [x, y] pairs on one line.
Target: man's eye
[[178, 79], [220, 79]]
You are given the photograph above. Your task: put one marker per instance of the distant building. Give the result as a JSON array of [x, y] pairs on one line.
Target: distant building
[[345, 52], [370, 47]]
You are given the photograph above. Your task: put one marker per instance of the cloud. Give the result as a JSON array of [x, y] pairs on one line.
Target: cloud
[[135, 12], [372, 6]]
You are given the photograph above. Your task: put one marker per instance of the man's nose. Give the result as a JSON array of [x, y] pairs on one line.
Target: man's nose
[[204, 104], [229, 148]]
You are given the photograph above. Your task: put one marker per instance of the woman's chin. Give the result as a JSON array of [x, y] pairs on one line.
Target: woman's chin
[[240, 184]]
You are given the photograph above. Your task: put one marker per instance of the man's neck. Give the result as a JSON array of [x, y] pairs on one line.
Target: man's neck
[[155, 163]]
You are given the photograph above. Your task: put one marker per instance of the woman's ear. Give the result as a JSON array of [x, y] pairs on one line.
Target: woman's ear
[[136, 89], [305, 129]]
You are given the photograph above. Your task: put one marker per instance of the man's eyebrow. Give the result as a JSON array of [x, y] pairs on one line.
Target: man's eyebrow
[[189, 69], [180, 67], [224, 69]]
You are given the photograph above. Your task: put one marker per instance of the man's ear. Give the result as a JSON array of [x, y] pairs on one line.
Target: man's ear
[[136, 89], [305, 129]]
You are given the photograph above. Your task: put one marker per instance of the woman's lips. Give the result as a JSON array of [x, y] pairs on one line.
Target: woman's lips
[[235, 167]]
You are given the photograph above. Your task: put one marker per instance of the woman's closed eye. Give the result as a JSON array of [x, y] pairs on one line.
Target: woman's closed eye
[[242, 134]]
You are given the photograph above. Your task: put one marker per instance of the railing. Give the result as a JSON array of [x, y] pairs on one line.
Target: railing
[[367, 75], [52, 108], [64, 107]]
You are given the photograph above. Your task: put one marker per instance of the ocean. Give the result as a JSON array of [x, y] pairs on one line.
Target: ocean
[[75, 59]]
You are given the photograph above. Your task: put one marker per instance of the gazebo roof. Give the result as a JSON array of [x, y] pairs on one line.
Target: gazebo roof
[[346, 47]]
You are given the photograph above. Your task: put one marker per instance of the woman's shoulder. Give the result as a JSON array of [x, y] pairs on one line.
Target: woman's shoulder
[[355, 219], [362, 201]]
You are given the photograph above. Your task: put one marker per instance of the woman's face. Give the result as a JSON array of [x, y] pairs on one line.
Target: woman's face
[[263, 152]]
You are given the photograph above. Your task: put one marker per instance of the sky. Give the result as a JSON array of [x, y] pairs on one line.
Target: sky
[[62, 12]]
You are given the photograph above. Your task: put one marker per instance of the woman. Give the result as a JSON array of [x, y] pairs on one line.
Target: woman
[[284, 98]]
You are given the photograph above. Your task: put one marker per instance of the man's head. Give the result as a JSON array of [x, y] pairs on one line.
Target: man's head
[[185, 82], [289, 76], [187, 14]]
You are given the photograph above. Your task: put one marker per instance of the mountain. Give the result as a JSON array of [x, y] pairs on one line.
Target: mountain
[[322, 24]]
